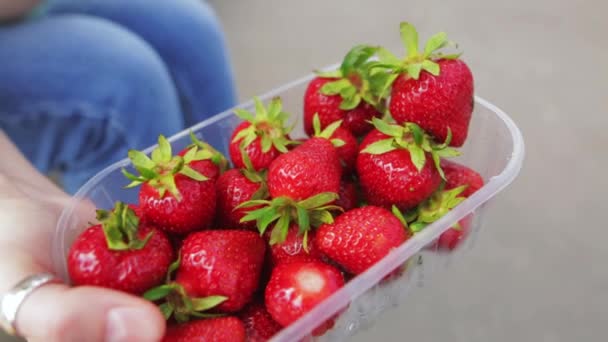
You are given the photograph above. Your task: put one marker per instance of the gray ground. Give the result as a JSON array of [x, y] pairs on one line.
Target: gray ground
[[537, 272]]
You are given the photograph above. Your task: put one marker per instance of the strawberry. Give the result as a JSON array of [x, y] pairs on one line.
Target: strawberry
[[208, 161], [310, 169], [302, 184], [377, 232], [222, 262], [173, 196], [342, 139], [399, 165], [457, 175], [296, 288], [262, 136], [435, 208], [220, 329], [430, 89], [348, 198], [294, 248], [461, 182], [235, 187], [453, 237], [259, 324], [120, 253], [346, 94]]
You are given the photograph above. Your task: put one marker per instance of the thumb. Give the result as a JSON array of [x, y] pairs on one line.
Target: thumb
[[58, 313]]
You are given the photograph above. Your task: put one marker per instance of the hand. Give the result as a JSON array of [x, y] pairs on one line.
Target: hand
[[56, 312]]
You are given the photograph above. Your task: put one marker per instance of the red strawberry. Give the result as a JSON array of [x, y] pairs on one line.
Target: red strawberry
[[432, 90], [296, 288], [348, 94], [348, 195], [263, 136], [328, 107], [457, 175], [292, 249], [302, 183], [208, 161], [361, 237], [259, 324], [173, 196], [309, 169], [120, 253], [221, 329], [222, 262], [399, 165], [453, 237], [342, 139], [235, 187]]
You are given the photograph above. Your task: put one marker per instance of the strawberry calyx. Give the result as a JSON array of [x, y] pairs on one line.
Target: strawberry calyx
[[411, 137], [120, 227], [207, 151], [415, 61], [355, 81], [160, 169], [176, 302], [434, 208], [282, 211], [256, 177], [328, 132], [268, 124]]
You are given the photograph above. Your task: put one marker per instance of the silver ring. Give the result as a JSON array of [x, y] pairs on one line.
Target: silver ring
[[11, 302]]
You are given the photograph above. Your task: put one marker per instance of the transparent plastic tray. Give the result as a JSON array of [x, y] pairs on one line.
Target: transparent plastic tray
[[494, 148]]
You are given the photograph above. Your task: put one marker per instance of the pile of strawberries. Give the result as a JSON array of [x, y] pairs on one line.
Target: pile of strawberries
[[235, 254]]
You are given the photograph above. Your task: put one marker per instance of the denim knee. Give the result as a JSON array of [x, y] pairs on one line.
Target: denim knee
[[78, 91]]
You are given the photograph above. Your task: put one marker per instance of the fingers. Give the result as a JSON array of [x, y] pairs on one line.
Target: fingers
[[58, 313]]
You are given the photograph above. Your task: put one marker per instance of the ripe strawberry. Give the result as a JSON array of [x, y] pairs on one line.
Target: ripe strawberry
[[120, 253], [432, 90], [345, 94], [377, 232], [263, 136], [235, 187], [457, 175], [173, 196], [348, 195], [453, 237], [294, 248], [319, 100], [342, 139], [302, 184], [311, 168], [220, 329], [208, 161], [296, 288], [222, 262], [399, 165], [259, 324]]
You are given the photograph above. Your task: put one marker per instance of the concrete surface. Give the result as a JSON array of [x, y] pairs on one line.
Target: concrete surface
[[537, 272]]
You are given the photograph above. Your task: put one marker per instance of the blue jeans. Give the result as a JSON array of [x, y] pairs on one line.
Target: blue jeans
[[94, 78]]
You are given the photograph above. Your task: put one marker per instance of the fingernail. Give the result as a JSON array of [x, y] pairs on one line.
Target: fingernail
[[129, 324]]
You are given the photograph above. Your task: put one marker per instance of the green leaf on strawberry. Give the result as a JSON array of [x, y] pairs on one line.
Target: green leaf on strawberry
[[159, 170], [282, 211], [268, 124], [120, 227], [414, 61], [411, 137], [434, 208]]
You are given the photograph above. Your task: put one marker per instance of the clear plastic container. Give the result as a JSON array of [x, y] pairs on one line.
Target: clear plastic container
[[494, 148]]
